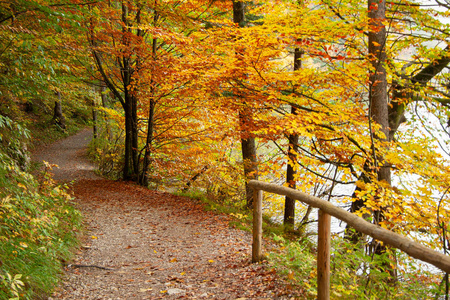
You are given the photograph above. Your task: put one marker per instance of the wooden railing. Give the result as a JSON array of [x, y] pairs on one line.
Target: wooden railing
[[326, 209]]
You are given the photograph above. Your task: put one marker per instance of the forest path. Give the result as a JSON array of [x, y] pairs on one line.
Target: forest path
[[69, 155], [153, 245]]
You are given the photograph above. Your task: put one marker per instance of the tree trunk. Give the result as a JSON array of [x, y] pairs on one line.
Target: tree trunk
[[58, 117], [105, 104], [143, 180], [289, 204], [239, 13], [378, 108], [94, 121], [131, 166], [135, 136], [128, 169], [378, 95], [248, 143], [148, 144], [248, 147]]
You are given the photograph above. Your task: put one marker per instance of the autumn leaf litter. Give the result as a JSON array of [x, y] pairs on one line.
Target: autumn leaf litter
[[144, 244]]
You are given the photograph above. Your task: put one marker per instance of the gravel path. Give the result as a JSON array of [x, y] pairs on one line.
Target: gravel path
[[144, 244], [69, 155]]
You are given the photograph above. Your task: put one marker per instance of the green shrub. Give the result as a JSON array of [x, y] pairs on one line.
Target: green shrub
[[107, 149], [354, 273], [38, 229]]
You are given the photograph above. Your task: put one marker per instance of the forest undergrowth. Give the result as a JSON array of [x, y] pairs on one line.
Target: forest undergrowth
[[354, 274], [39, 226]]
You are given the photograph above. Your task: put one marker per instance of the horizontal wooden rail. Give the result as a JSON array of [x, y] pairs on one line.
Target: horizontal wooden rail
[[393, 239]]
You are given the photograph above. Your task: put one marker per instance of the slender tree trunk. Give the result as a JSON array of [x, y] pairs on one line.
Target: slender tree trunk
[[131, 164], [94, 113], [148, 144], [58, 117], [248, 147], [135, 137], [289, 204], [128, 169], [105, 104], [248, 143], [151, 114], [94, 121], [104, 97]]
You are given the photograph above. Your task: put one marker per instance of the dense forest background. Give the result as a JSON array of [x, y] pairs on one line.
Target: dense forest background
[[344, 101]]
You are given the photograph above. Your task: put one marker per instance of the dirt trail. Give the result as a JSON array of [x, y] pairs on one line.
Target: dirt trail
[[70, 156], [145, 244]]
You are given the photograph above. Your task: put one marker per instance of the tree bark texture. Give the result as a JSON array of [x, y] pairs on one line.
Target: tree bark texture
[[378, 92], [94, 121], [289, 204], [248, 148], [131, 171], [239, 13], [148, 144]]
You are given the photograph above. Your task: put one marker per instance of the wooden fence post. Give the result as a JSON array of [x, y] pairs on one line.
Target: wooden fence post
[[323, 256], [257, 225]]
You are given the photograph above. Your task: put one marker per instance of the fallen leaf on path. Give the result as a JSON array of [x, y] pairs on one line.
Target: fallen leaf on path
[[291, 275]]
